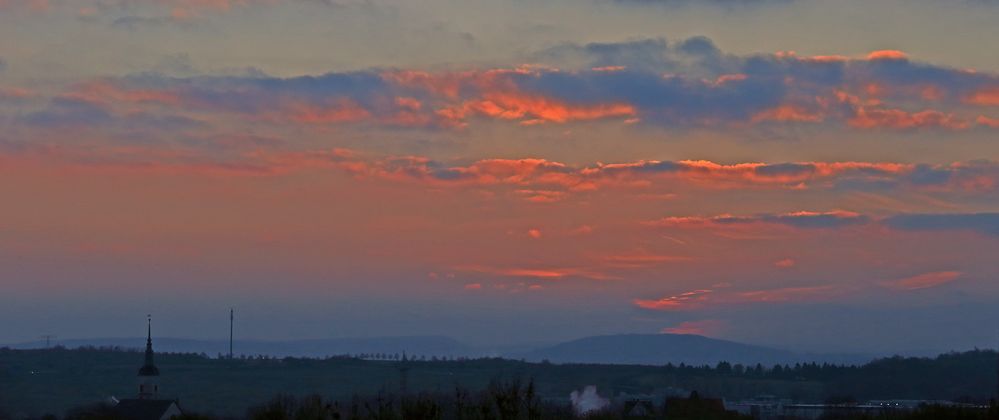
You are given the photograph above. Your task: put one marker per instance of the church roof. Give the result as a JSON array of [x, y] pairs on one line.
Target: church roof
[[134, 409]]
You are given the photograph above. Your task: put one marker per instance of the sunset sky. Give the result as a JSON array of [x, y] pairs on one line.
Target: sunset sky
[[807, 174]]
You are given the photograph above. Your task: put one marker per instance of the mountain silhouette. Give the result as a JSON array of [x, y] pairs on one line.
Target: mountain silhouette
[[659, 349]]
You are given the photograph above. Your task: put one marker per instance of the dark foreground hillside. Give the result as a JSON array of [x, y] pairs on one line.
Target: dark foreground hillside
[[36, 382]]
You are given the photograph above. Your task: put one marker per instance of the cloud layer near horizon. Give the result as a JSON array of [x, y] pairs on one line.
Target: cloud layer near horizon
[[686, 84]]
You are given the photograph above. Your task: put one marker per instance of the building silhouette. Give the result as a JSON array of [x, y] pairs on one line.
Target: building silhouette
[[149, 374], [147, 405]]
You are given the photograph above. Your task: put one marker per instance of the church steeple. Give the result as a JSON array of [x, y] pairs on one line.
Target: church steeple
[[148, 373]]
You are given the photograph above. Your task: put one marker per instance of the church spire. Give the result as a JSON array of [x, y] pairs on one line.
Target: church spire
[[149, 368], [149, 373]]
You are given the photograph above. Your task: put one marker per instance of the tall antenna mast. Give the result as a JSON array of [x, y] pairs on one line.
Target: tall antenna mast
[[231, 318]]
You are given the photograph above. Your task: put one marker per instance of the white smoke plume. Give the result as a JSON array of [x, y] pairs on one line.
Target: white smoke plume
[[588, 401]]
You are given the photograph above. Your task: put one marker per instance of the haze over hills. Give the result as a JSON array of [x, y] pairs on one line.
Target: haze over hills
[[413, 345], [649, 349], [659, 349]]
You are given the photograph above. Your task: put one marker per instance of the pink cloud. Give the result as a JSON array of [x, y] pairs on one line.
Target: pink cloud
[[786, 294], [342, 111], [790, 113], [923, 281], [705, 327], [898, 119], [693, 299], [538, 273], [987, 121], [639, 260], [544, 181], [30, 5], [16, 93], [531, 95], [805, 219], [705, 298], [542, 196], [785, 263]]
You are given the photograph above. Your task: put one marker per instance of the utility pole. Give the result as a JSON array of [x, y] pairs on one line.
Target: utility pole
[[231, 318], [48, 340]]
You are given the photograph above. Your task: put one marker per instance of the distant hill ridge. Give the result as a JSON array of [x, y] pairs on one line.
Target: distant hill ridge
[[647, 349], [412, 345], [660, 349]]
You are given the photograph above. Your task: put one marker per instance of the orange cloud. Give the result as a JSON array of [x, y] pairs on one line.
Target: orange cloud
[[729, 78], [794, 219], [538, 273], [451, 99], [451, 84], [870, 113], [887, 55], [693, 299], [898, 119], [785, 263], [825, 59], [499, 97], [701, 298], [787, 294], [412, 104], [789, 113], [542, 196], [932, 93], [543, 181], [985, 97], [706, 327], [344, 110], [923, 281], [534, 109], [741, 174], [987, 121], [794, 91]]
